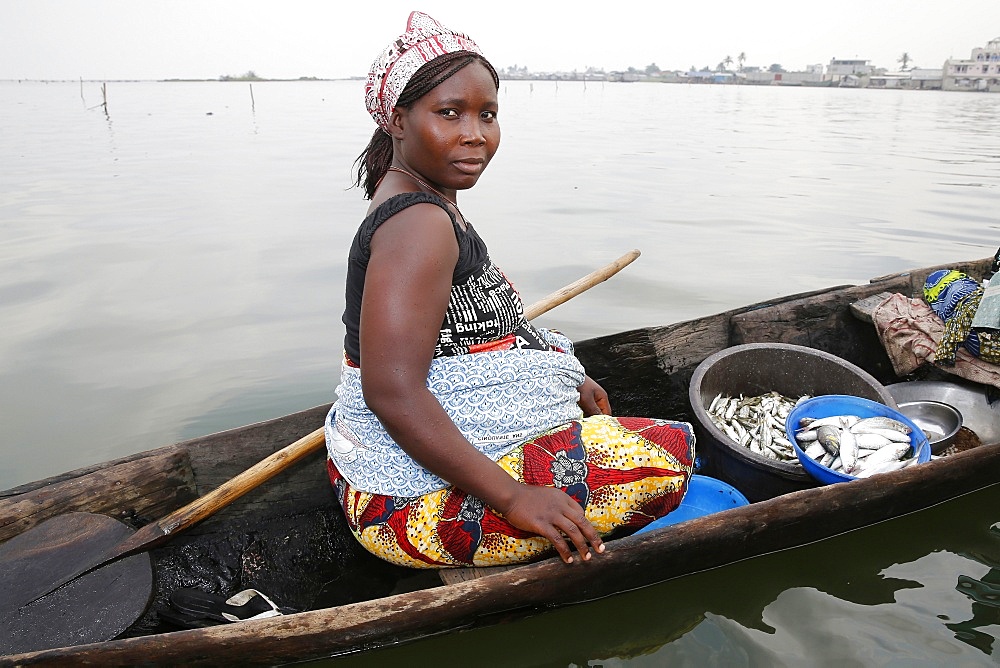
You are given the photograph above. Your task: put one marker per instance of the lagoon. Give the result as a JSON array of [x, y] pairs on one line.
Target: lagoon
[[174, 265]]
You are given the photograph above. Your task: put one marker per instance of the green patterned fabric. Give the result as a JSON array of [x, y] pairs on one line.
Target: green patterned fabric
[[957, 328]]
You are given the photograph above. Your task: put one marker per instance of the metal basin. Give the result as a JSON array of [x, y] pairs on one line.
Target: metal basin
[[939, 421], [979, 407]]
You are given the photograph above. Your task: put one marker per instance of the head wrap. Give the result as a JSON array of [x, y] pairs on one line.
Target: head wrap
[[424, 40]]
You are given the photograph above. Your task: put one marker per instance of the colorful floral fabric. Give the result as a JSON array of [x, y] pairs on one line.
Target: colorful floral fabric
[[624, 472]]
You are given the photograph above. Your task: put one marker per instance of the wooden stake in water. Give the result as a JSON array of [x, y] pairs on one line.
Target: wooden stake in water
[[253, 107]]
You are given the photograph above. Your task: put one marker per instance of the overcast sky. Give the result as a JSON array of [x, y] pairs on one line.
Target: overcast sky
[[156, 39]]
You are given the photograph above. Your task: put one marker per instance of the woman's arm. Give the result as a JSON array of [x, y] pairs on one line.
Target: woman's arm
[[407, 287]]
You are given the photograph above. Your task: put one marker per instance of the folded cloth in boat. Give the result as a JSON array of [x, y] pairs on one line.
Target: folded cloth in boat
[[988, 314], [497, 399], [986, 322], [954, 296], [910, 332]]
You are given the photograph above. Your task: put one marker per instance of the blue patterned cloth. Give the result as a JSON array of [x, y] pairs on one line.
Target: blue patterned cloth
[[945, 289], [954, 296], [496, 399]]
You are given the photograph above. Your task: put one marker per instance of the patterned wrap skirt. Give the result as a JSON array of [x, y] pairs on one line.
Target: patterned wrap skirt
[[624, 472]]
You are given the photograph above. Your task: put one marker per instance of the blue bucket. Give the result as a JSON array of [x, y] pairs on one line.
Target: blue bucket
[[704, 496], [842, 404]]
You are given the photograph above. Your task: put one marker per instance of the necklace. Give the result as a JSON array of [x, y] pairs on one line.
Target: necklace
[[428, 186]]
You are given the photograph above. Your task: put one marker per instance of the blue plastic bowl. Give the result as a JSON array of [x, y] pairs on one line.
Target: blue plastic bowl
[[704, 496], [841, 404]]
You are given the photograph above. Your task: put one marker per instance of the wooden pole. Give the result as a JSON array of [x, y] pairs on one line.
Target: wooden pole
[[573, 289]]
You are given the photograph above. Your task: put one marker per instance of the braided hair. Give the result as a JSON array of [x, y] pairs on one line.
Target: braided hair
[[374, 161]]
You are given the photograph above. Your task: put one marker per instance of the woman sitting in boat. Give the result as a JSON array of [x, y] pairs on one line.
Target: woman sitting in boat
[[462, 434]]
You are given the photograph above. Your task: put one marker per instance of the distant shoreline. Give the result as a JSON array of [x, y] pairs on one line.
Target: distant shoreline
[[175, 80]]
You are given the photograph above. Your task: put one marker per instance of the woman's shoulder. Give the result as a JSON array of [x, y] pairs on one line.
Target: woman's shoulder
[[422, 213], [399, 203], [402, 201]]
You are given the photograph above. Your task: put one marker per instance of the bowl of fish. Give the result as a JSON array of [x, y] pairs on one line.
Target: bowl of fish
[[839, 438], [740, 398], [938, 420]]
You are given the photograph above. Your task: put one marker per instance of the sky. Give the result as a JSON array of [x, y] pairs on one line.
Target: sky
[[205, 39]]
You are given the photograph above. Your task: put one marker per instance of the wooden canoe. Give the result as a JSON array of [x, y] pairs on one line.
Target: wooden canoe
[[288, 539]]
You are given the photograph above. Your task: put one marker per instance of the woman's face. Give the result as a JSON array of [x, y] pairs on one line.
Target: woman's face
[[450, 134]]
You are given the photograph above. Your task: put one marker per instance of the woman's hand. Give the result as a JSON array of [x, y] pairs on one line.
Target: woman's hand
[[593, 398], [552, 514]]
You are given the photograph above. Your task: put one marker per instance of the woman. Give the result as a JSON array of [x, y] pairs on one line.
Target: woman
[[458, 436]]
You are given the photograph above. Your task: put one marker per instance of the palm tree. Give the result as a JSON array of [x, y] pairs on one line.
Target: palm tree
[[904, 59], [740, 58], [727, 61]]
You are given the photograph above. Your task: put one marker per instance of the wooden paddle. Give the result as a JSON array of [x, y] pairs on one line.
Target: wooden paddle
[[43, 559]]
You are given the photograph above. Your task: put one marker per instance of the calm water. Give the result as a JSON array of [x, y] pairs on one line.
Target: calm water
[[174, 266]]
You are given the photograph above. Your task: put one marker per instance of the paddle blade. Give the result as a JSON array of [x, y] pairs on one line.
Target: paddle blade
[[52, 553], [94, 607]]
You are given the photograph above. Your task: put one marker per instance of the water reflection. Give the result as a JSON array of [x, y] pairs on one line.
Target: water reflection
[[985, 594], [877, 596]]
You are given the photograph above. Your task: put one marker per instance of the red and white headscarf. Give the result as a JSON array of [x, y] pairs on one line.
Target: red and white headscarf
[[424, 40]]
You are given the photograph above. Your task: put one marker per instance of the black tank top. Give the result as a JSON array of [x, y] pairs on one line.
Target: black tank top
[[484, 311]]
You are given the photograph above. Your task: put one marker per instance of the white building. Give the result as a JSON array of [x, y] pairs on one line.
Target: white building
[[980, 72], [926, 78], [840, 69], [917, 78]]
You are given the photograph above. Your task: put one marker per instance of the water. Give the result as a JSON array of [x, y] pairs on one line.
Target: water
[[833, 603], [174, 266]]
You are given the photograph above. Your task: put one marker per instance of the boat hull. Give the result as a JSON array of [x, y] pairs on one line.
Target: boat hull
[[288, 537]]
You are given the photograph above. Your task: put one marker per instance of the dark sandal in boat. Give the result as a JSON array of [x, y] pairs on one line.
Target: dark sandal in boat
[[196, 607], [184, 620]]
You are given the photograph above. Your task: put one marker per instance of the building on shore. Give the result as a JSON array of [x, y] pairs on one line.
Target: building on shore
[[915, 79], [848, 71], [980, 72], [811, 76], [923, 78]]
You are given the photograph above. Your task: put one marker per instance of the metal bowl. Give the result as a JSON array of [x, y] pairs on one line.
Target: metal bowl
[[938, 420], [977, 403]]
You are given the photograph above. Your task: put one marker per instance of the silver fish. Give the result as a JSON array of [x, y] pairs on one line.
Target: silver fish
[[883, 467], [756, 423], [815, 451], [881, 422], [891, 452], [870, 441], [838, 421], [848, 450], [891, 434]]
